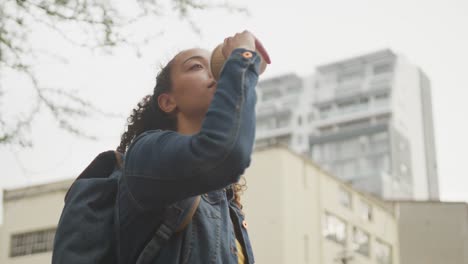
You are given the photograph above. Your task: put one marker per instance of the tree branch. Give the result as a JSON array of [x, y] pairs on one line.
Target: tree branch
[[104, 27]]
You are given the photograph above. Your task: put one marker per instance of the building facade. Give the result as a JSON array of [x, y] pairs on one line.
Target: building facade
[[433, 232], [367, 120], [297, 213], [30, 219]]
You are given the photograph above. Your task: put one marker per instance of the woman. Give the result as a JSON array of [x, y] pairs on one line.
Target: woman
[[193, 136]]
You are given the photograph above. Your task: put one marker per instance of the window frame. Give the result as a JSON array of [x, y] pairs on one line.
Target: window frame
[[357, 245], [380, 243], [32, 242], [328, 233]]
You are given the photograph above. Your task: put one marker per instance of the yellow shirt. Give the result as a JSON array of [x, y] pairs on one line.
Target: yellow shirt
[[240, 253]]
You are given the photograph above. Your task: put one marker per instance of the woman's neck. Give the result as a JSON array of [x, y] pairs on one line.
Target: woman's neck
[[188, 126]]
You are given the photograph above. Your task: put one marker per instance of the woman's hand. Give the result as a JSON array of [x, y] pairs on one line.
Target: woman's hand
[[244, 40]]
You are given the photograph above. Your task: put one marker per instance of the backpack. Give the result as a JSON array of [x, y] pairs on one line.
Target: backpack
[[86, 231]]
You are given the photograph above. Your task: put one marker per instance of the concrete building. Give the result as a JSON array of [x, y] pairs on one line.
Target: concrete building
[[433, 232], [367, 120], [30, 218], [279, 120], [297, 213]]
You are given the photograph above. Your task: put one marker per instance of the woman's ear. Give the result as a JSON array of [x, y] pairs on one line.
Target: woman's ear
[[166, 102]]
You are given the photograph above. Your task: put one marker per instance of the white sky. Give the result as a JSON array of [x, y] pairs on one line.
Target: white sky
[[299, 35]]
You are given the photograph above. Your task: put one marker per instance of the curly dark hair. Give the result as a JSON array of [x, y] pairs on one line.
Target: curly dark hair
[[149, 116]]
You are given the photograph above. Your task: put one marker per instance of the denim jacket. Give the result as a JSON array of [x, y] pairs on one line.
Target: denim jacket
[[163, 167]]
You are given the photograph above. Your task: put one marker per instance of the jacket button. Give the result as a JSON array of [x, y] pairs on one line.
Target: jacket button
[[244, 224], [247, 54]]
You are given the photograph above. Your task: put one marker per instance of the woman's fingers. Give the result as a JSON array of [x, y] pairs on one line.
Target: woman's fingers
[[239, 40], [244, 40], [262, 51]]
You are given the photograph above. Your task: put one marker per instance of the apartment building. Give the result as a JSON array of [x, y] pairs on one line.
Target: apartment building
[[367, 120], [298, 213], [30, 217]]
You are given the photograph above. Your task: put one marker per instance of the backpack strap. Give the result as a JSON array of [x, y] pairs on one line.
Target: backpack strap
[[175, 219]]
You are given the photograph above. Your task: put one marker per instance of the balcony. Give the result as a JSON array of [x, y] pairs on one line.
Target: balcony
[[273, 132]]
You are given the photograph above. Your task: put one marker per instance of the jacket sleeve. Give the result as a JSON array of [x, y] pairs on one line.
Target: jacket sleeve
[[162, 167]]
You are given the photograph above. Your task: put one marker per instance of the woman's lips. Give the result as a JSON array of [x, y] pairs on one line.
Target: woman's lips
[[213, 84]]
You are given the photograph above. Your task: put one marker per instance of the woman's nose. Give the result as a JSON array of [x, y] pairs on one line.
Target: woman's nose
[[210, 74]]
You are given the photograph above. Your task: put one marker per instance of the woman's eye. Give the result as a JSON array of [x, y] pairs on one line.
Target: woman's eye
[[196, 66]]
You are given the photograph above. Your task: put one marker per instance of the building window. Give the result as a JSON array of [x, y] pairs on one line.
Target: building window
[[353, 105], [294, 89], [361, 241], [348, 149], [345, 169], [347, 106], [32, 242], [382, 68], [345, 198], [282, 121], [326, 130], [379, 143], [325, 111], [270, 94], [334, 229], [366, 211], [383, 252], [350, 75], [382, 96], [382, 99], [266, 123], [376, 163], [382, 119], [380, 85], [355, 124], [283, 140]]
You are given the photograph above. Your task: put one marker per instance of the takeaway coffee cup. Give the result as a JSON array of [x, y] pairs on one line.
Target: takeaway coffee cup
[[217, 59]]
